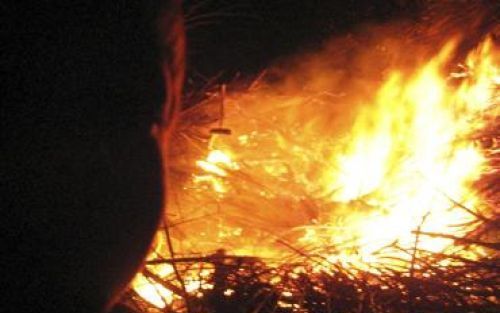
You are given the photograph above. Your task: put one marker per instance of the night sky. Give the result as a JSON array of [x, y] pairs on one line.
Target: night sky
[[228, 37]]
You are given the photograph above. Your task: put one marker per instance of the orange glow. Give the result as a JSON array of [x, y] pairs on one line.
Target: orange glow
[[154, 292], [343, 174]]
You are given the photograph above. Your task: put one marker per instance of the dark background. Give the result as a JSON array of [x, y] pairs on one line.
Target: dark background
[[226, 38]]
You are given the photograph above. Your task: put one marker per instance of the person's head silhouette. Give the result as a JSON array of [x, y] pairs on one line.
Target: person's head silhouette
[[81, 173]]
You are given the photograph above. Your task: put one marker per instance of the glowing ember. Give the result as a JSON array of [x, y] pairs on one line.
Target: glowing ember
[[351, 188]]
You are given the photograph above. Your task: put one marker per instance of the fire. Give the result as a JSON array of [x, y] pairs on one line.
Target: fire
[[157, 292], [409, 156], [356, 188], [154, 292], [214, 170]]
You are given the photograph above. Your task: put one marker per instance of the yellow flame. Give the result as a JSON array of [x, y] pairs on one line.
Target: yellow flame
[[405, 162], [159, 295], [155, 293], [215, 167], [403, 159], [409, 155]]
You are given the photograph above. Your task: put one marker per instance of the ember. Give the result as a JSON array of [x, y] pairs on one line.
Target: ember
[[366, 177]]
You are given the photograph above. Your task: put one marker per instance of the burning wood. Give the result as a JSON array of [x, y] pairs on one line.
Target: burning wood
[[354, 195]]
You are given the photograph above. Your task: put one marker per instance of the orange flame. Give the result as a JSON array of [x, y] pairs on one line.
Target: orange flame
[[346, 186]]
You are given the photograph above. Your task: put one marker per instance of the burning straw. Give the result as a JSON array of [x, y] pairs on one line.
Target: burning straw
[[334, 187]]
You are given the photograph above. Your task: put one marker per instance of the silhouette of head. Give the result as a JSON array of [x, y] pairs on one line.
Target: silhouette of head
[[81, 172]]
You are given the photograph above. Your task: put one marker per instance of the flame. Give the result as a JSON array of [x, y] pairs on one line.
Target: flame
[[409, 155], [158, 293], [405, 163], [345, 175], [214, 168]]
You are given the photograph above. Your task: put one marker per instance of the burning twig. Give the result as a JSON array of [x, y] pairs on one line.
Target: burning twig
[[464, 241]]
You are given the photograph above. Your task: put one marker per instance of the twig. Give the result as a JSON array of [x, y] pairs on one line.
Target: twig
[[491, 245], [176, 270]]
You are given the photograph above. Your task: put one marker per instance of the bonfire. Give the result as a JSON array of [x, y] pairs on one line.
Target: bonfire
[[333, 185]]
